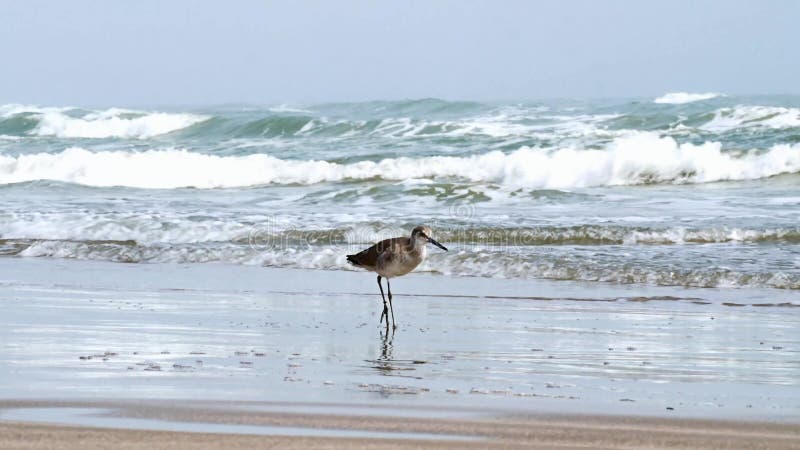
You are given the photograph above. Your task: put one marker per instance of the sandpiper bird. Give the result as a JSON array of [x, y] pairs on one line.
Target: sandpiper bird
[[393, 258]]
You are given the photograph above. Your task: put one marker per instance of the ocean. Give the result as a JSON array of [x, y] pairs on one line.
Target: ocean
[[685, 190]]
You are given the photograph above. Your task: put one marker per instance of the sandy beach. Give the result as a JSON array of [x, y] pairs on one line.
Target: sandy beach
[[199, 351], [585, 215], [257, 430]]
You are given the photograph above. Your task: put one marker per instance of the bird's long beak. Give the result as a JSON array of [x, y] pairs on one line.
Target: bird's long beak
[[432, 241]]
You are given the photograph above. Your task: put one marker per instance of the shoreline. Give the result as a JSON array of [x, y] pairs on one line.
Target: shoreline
[[245, 278]]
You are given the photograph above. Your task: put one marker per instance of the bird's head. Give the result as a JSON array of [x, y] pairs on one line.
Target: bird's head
[[421, 235]]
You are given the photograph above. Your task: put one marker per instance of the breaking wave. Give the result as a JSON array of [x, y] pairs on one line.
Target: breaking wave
[[453, 123], [744, 116], [679, 98], [642, 158], [109, 123], [405, 119], [263, 232]]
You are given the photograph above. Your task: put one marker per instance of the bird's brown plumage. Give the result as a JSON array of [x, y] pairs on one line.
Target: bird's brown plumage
[[368, 258]]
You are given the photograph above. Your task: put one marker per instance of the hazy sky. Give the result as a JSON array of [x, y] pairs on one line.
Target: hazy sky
[[104, 53]]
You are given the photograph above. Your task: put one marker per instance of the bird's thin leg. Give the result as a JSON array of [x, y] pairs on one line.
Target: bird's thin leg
[[389, 288], [385, 309]]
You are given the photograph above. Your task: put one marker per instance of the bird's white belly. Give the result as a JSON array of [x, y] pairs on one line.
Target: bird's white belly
[[398, 266]]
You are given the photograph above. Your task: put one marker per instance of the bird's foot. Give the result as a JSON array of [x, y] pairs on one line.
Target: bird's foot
[[385, 314]]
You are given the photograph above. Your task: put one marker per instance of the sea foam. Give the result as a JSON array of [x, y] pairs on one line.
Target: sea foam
[[642, 158]]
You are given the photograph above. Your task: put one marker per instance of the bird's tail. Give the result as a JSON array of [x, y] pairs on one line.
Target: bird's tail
[[352, 259]]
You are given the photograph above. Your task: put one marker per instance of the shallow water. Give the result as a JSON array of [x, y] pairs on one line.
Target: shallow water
[[104, 330]]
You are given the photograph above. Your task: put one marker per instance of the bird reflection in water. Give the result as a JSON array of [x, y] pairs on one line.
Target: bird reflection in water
[[387, 365], [384, 363]]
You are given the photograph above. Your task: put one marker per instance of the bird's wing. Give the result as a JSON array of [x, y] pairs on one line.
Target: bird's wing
[[369, 257]]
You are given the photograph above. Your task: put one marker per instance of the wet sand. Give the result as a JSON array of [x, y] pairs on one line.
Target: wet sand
[[575, 364], [557, 431]]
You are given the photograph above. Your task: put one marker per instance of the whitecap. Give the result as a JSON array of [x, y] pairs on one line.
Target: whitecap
[[679, 98]]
